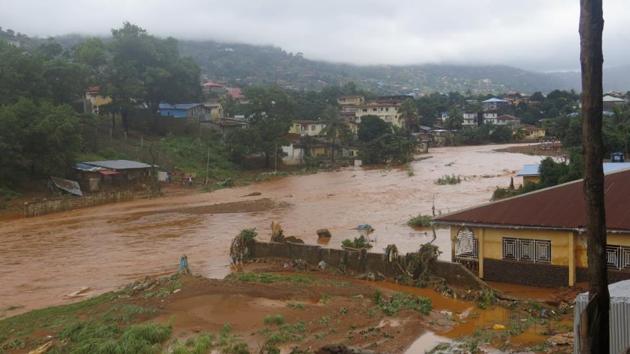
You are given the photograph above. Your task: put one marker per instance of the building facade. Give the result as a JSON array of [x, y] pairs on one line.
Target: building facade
[[539, 238]]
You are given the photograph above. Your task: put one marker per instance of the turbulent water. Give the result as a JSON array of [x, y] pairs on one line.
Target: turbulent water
[[45, 258]]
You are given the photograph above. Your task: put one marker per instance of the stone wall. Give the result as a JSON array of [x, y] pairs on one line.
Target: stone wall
[[361, 262], [69, 203]]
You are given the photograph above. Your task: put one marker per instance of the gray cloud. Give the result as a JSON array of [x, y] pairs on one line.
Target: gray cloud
[[534, 34]]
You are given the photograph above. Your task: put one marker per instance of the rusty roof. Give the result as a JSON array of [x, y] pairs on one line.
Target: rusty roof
[[558, 207]]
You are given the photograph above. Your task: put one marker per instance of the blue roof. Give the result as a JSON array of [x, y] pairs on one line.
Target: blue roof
[[529, 170], [178, 106], [609, 167]]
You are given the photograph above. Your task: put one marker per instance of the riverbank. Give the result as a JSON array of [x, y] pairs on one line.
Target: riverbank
[[270, 305], [45, 258]]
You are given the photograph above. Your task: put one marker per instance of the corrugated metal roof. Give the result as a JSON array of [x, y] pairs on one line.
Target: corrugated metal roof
[[87, 168], [609, 167], [493, 100], [619, 316], [559, 207], [67, 185], [118, 164], [182, 106], [529, 170], [609, 98]]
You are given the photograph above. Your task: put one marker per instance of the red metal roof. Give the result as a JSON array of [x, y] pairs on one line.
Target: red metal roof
[[559, 207]]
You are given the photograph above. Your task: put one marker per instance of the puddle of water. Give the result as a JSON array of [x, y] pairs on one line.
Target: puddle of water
[[426, 342]]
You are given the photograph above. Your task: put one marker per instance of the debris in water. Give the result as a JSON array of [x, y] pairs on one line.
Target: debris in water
[[498, 327], [253, 194], [79, 293], [323, 236], [277, 235], [561, 339], [240, 247]]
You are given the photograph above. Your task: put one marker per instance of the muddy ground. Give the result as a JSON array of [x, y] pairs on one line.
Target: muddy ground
[[270, 305], [43, 259]]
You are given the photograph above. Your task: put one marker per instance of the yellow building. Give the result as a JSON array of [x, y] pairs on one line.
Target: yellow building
[[307, 128], [93, 100], [387, 111], [539, 238]]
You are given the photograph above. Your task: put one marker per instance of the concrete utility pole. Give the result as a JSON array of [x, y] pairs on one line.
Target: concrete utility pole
[[591, 59]]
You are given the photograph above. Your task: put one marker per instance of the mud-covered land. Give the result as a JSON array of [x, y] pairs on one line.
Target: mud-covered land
[[43, 259], [270, 306], [551, 149]]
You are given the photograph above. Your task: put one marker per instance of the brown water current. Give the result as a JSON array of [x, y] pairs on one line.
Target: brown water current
[[45, 258]]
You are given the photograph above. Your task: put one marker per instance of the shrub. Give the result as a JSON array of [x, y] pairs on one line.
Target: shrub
[[420, 221], [446, 179], [391, 306], [358, 242]]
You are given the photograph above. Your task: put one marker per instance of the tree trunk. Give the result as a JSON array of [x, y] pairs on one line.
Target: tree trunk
[[124, 113], [591, 58], [332, 152]]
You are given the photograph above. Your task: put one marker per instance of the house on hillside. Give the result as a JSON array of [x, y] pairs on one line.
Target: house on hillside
[[610, 102], [386, 108], [307, 128], [191, 111], [508, 120], [493, 104], [539, 238], [354, 100], [490, 118], [93, 100], [94, 175], [470, 119], [532, 132]]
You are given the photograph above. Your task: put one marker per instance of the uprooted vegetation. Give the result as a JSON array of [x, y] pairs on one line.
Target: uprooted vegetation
[[357, 243], [448, 179]]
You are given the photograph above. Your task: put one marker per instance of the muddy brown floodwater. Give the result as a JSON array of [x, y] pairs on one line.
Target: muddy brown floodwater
[[43, 259]]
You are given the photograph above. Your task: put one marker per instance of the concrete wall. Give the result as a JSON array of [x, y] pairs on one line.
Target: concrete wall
[[361, 262], [70, 203]]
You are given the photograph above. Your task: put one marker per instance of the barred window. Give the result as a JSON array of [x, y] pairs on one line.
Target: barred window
[[466, 244], [526, 250], [509, 248], [618, 257]]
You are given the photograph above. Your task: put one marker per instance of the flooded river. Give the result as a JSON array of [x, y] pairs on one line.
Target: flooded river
[[45, 258]]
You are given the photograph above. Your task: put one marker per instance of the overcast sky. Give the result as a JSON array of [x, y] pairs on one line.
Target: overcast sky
[[532, 34]]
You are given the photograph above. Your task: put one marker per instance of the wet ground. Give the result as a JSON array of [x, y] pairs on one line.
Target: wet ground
[[45, 258]]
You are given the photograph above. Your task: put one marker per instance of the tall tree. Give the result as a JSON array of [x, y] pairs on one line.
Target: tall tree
[[591, 59], [409, 113], [334, 128]]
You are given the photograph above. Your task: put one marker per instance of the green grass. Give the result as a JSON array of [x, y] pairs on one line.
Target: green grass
[[399, 301], [446, 179], [205, 343], [285, 333], [420, 221], [274, 320], [268, 278], [96, 325], [358, 242]]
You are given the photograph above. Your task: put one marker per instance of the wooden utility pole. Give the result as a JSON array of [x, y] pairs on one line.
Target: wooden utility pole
[[592, 59]]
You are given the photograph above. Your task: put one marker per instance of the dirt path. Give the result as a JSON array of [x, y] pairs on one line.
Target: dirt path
[[45, 258]]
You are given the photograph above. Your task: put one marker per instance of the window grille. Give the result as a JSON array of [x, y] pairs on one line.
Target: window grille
[[466, 245], [618, 257], [526, 250]]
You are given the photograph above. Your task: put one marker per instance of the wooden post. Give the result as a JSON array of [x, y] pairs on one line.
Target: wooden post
[[481, 240], [591, 59], [571, 250]]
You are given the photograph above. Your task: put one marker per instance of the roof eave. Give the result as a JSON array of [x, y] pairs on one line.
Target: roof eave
[[523, 227]]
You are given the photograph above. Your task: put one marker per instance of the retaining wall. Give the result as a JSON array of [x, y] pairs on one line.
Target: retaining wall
[[69, 203], [362, 262]]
